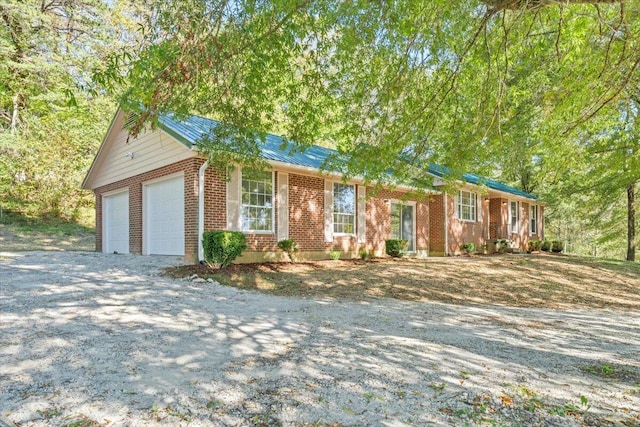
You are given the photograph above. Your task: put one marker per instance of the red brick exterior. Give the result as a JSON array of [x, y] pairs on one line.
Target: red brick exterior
[[436, 225], [378, 208], [500, 221], [499, 218], [134, 185], [461, 232], [215, 199], [306, 216], [306, 212]]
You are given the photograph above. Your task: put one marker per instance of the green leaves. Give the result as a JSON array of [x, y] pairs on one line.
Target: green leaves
[[450, 82]]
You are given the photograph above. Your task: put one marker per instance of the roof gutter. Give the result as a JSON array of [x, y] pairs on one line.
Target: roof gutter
[[201, 172]]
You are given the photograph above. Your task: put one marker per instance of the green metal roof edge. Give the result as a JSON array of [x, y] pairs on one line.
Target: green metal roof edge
[[175, 135]]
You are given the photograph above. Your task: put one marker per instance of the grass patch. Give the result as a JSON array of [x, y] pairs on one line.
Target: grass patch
[[69, 236], [625, 374], [549, 281]]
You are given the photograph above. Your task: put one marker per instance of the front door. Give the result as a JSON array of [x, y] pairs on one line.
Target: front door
[[402, 224]]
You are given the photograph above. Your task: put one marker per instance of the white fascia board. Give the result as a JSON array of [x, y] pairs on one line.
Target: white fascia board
[[438, 182]]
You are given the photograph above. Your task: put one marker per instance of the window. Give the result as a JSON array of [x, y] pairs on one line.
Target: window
[[534, 219], [466, 206], [257, 200], [513, 215], [344, 208]]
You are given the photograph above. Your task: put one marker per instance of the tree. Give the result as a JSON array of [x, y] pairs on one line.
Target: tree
[[50, 124], [378, 80], [615, 153], [393, 86]]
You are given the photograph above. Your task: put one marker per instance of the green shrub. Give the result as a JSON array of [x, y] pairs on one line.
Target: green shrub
[[545, 246], [468, 248], [396, 247], [501, 245], [222, 247], [290, 247], [334, 255], [363, 254], [535, 245], [557, 246]]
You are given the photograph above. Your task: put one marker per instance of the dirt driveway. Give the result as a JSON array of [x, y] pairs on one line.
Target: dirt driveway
[[92, 339]]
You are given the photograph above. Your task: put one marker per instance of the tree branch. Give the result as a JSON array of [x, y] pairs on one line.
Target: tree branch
[[500, 5]]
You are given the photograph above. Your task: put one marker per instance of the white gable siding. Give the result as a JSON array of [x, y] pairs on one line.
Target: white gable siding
[[151, 150]]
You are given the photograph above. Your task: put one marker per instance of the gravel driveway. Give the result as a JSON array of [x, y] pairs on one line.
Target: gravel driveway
[[94, 339]]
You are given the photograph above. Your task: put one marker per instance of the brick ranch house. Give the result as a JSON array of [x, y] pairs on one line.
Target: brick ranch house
[[156, 194]]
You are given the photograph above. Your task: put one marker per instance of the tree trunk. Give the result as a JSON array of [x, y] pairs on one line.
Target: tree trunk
[[631, 222], [14, 115]]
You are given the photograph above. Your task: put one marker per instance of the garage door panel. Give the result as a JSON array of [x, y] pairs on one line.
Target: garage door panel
[[164, 217], [116, 223]]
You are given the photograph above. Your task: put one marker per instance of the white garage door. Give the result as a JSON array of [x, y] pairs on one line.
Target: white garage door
[[116, 223], [164, 217]]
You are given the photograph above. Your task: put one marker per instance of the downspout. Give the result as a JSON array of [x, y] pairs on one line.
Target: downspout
[[201, 171], [446, 225]]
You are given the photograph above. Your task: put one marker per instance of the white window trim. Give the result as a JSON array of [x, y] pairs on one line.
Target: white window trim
[[273, 207], [531, 231], [458, 203], [333, 212], [514, 230], [415, 214]]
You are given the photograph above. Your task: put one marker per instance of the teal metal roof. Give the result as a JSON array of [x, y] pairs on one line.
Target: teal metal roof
[[442, 171], [193, 129]]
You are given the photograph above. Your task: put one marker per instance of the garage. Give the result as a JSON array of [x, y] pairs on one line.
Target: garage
[[116, 222], [163, 216]]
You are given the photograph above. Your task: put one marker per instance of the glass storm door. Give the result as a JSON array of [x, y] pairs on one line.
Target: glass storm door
[[402, 224]]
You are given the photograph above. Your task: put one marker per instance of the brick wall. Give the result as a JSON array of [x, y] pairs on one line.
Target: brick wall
[[378, 218], [215, 199], [498, 218], [378, 221], [500, 223], [306, 212], [134, 185], [422, 225], [461, 232], [306, 215], [191, 237], [436, 225]]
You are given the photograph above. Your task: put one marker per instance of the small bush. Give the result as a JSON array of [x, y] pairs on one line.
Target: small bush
[[535, 245], [334, 255], [396, 247], [363, 254], [222, 247], [557, 246], [468, 248], [502, 245], [545, 246], [290, 247]]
